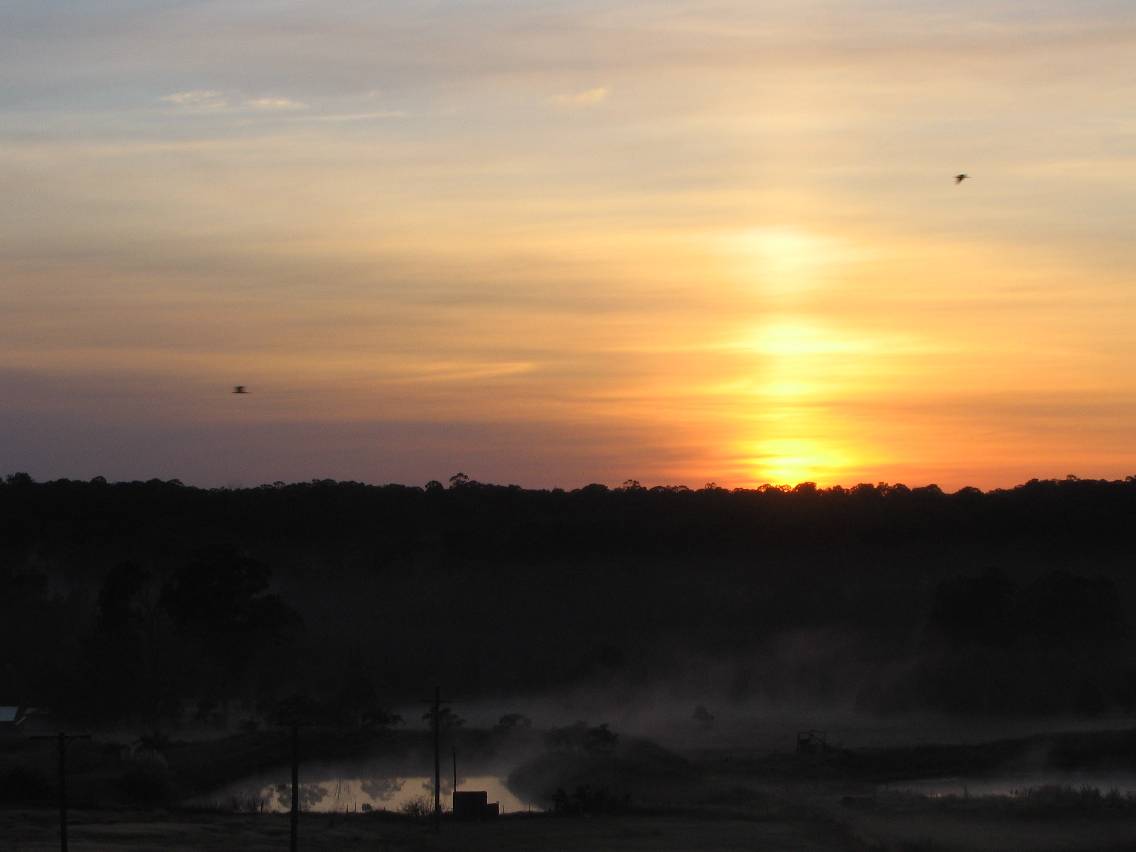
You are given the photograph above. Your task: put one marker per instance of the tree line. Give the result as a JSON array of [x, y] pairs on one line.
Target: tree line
[[156, 600]]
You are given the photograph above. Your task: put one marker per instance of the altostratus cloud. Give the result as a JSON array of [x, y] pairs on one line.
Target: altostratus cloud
[[586, 98]]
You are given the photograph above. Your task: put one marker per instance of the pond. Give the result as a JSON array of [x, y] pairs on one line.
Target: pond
[[328, 791]]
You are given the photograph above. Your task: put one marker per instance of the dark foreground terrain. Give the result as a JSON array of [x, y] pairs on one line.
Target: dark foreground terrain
[[200, 832], [910, 827]]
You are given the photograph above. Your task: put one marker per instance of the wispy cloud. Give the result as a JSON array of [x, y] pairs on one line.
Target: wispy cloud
[[197, 99], [285, 104], [356, 116], [211, 100], [586, 98]]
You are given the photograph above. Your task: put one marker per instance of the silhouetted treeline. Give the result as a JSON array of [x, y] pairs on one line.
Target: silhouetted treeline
[[474, 520], [151, 600]]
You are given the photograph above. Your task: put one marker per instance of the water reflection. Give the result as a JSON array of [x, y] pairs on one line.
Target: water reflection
[[354, 793]]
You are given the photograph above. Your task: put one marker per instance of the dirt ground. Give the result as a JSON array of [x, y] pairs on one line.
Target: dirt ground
[[33, 831], [24, 831]]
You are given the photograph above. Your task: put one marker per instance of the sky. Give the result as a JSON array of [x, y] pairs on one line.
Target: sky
[[555, 243]]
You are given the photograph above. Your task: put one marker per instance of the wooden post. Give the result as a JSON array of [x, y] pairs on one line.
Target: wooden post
[[63, 791], [294, 817]]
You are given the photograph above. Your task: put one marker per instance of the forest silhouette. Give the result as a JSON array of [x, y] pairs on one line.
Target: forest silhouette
[[153, 602]]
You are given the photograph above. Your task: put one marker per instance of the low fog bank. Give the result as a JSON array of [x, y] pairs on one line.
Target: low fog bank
[[693, 722]]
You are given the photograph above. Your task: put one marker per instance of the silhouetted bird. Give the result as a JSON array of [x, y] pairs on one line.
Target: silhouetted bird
[[960, 178], [239, 389]]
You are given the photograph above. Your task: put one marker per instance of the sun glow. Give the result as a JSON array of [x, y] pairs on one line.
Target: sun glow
[[792, 436], [786, 261], [790, 461], [789, 338]]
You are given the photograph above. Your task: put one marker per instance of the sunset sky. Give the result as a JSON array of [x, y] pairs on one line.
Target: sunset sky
[[555, 243]]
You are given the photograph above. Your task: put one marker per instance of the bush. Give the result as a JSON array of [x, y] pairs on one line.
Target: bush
[[419, 807]]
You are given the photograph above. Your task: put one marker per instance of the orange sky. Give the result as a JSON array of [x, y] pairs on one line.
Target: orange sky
[[568, 242]]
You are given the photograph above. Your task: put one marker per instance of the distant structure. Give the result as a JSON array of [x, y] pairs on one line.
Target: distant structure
[[18, 721], [472, 805], [960, 178], [11, 722], [239, 389]]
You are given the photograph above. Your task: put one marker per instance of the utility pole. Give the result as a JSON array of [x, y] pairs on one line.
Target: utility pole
[[437, 748], [291, 717], [294, 817], [436, 703], [455, 769], [62, 739]]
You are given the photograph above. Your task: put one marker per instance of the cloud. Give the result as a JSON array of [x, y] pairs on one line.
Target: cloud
[[586, 98], [197, 99], [356, 116], [213, 100], [274, 104]]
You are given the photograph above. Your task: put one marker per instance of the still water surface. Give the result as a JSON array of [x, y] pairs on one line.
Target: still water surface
[[351, 792]]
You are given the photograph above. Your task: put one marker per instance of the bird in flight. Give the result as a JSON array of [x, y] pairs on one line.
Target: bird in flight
[[960, 178], [239, 389]]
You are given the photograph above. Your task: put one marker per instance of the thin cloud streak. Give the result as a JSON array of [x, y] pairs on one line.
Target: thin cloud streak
[[203, 99], [586, 98], [274, 104]]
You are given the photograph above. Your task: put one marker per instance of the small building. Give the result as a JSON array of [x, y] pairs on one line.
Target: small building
[[11, 721], [474, 805]]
